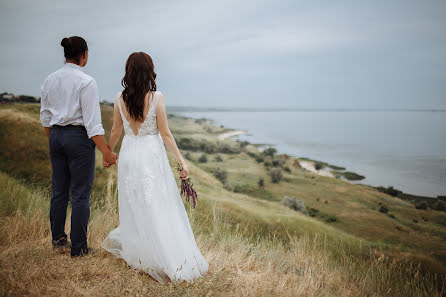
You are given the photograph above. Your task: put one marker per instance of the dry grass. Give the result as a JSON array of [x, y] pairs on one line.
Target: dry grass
[[238, 267]]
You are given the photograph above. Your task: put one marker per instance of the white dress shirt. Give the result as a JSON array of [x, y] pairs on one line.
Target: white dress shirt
[[70, 97]]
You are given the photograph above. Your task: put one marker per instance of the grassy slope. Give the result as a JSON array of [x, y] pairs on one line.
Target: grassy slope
[[232, 225]]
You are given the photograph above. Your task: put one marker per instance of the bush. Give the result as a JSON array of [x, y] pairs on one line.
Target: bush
[[295, 204], [188, 156], [276, 175], [422, 205], [221, 175], [243, 143], [332, 219], [287, 169], [383, 209], [267, 163], [261, 182], [269, 151], [313, 211], [188, 144], [209, 147], [227, 186], [203, 159], [226, 148], [276, 163], [218, 158], [439, 205], [390, 190], [259, 158]]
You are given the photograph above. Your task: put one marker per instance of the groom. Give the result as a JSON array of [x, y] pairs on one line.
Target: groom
[[71, 116]]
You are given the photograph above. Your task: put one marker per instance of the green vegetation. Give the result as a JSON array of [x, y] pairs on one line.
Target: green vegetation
[[348, 175]]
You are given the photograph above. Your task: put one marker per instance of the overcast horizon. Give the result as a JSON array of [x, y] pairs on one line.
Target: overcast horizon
[[325, 54]]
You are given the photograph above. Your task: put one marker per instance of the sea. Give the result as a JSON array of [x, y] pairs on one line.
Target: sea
[[402, 148]]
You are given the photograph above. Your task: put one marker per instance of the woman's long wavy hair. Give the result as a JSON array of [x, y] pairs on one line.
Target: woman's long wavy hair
[[139, 79]]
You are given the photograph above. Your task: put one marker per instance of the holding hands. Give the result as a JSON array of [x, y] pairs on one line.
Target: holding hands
[[109, 158]]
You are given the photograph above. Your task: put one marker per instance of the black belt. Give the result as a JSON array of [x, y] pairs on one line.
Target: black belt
[[69, 127]]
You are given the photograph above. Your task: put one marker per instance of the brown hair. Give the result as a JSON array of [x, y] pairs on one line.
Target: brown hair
[[139, 78], [74, 47]]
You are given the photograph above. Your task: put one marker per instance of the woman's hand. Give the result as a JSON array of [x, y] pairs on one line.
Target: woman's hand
[[185, 172]]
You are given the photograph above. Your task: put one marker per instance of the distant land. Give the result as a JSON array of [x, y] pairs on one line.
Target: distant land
[[9, 97]]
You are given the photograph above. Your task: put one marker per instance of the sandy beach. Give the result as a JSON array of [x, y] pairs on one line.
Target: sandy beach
[[230, 134], [308, 165]]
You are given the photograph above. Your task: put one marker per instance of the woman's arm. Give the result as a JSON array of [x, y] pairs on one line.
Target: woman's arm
[[169, 141], [116, 130]]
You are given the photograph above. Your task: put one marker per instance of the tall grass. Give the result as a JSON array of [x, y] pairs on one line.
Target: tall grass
[[239, 265]]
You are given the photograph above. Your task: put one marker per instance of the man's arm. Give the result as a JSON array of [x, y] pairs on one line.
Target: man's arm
[[45, 114], [91, 115]]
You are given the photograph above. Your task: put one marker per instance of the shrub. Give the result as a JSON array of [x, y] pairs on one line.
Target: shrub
[[313, 211], [261, 182], [259, 158], [276, 163], [243, 143], [295, 204], [188, 156], [287, 169], [188, 144], [276, 175], [332, 219], [203, 159], [390, 190], [383, 209], [318, 166], [226, 148], [439, 205], [221, 174], [269, 151], [267, 163], [421, 205], [218, 158], [227, 186], [209, 147]]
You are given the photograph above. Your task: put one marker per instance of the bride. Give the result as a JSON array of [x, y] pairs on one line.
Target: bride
[[154, 234]]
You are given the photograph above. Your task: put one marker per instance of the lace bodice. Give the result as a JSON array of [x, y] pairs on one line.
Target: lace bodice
[[149, 126]]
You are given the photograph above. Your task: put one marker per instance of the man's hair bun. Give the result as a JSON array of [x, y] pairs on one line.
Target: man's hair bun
[[65, 42]]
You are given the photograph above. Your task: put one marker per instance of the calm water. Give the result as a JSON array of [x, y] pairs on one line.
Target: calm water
[[405, 149]]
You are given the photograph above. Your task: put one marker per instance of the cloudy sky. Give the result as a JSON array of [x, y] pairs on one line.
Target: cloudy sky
[[321, 54]]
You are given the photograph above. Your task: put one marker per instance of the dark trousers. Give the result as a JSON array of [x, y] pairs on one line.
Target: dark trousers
[[73, 161]]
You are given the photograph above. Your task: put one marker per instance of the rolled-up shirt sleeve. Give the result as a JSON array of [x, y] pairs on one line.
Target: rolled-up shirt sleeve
[[91, 111], [45, 113]]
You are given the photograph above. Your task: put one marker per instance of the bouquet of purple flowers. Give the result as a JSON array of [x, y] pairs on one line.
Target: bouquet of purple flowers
[[187, 187]]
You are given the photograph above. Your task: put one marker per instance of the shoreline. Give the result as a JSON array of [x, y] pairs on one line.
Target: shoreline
[[229, 134], [311, 165]]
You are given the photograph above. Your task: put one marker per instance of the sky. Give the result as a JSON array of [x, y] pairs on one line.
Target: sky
[[281, 54]]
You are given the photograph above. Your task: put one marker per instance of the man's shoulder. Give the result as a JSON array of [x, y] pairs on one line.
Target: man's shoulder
[[84, 77]]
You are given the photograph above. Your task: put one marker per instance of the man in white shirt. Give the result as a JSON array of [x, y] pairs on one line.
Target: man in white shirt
[[71, 116]]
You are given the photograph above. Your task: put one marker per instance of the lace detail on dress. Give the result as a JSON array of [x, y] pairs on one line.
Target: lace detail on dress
[[149, 126], [132, 187]]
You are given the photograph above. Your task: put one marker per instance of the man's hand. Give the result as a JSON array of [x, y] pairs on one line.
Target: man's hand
[[47, 131]]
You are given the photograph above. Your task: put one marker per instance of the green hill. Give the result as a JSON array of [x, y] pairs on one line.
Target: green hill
[[343, 246]]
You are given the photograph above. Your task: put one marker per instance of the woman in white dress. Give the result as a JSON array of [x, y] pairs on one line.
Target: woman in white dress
[[154, 234]]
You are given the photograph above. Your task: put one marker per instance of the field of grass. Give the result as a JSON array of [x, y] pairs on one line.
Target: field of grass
[[255, 245]]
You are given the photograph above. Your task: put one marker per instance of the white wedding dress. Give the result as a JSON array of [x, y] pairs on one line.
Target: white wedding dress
[[154, 234]]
